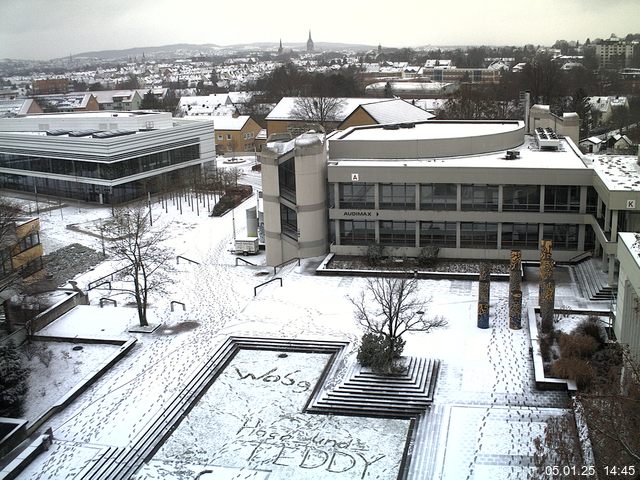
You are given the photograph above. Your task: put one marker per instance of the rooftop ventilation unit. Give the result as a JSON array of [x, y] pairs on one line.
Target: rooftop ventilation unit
[[82, 133], [113, 133], [547, 139], [57, 132], [391, 126], [512, 154]]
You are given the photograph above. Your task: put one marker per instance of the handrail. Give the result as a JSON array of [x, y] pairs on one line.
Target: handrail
[[104, 300], [255, 289], [245, 261], [109, 276], [286, 262], [106, 282], [185, 258], [174, 302], [581, 256]]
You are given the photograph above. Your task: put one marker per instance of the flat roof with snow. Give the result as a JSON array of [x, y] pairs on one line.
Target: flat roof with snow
[[431, 130]]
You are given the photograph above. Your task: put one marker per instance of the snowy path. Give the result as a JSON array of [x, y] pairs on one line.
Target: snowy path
[[486, 410]]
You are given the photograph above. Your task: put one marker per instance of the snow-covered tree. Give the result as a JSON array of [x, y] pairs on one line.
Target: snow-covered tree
[[139, 246], [13, 381], [387, 309]]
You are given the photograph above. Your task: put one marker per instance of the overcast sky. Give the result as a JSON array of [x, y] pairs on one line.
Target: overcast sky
[[43, 29]]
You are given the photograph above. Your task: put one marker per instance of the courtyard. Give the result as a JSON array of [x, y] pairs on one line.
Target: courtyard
[[246, 424]]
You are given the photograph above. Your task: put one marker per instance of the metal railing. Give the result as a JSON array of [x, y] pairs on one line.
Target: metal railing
[[104, 300], [285, 263], [255, 289], [101, 280], [245, 261], [185, 258], [175, 302], [581, 256], [106, 282]]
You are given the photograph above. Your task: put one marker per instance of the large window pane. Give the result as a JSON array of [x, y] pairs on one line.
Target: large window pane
[[521, 198], [524, 235], [438, 196], [357, 195], [397, 196], [287, 179], [592, 200], [564, 237], [398, 233], [480, 197], [439, 234], [563, 198], [478, 235], [289, 222], [357, 232]]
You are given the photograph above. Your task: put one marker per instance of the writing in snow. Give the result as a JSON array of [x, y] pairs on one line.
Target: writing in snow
[[310, 452]]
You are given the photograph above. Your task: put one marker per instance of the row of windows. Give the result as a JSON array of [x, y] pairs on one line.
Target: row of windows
[[96, 193], [287, 179], [246, 136], [107, 171], [289, 222], [443, 234], [444, 196], [25, 243]]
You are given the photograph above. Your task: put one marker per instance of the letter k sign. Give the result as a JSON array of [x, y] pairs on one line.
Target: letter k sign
[[631, 204], [355, 177]]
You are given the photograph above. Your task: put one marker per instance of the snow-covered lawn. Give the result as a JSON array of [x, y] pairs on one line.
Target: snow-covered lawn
[[55, 368], [251, 419]]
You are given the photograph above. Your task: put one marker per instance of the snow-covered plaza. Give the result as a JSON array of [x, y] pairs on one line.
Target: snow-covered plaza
[[485, 413]]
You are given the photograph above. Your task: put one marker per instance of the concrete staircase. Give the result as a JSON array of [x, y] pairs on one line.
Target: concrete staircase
[[365, 393], [592, 281]]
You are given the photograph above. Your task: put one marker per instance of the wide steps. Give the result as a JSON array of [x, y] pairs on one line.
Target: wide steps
[[593, 283], [364, 393]]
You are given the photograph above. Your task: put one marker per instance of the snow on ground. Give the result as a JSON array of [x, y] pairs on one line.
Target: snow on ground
[[86, 321], [485, 379], [55, 368], [251, 419]]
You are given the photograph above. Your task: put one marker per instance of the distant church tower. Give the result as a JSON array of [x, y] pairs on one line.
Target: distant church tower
[[309, 43], [280, 50], [379, 48]]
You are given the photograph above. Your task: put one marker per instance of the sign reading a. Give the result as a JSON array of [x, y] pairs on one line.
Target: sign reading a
[[355, 177]]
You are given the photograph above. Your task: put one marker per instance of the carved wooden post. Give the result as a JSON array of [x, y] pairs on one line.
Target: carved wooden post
[[547, 301], [515, 271], [546, 262], [547, 290], [515, 310], [515, 293], [484, 289]]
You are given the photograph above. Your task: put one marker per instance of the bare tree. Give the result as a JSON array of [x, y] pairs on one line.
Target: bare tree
[[611, 411], [138, 245], [388, 308], [319, 109], [9, 214]]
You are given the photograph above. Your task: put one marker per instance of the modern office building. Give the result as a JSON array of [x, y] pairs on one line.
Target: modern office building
[[475, 189], [103, 157], [627, 325]]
